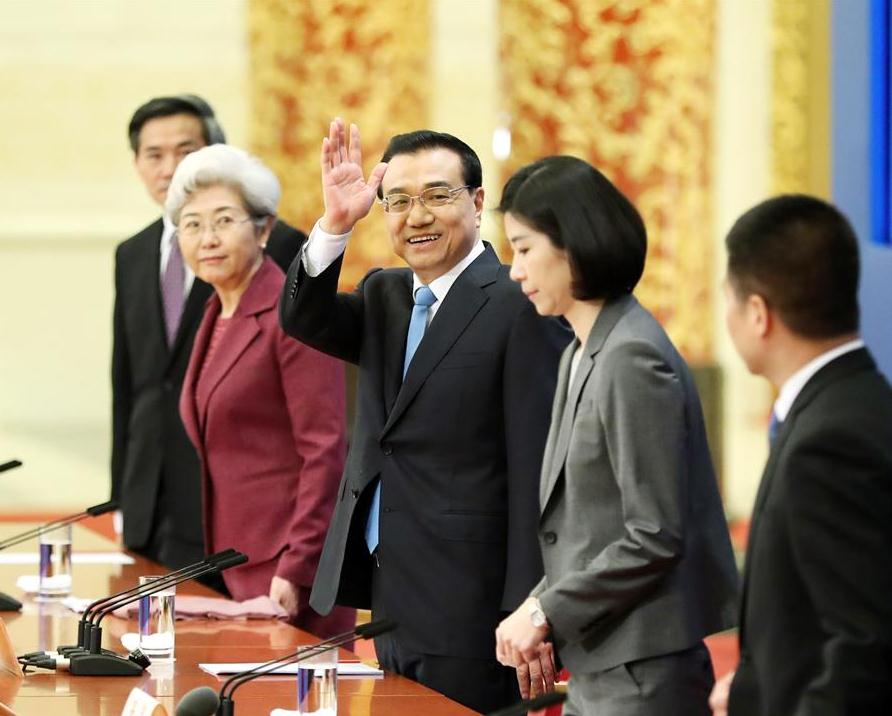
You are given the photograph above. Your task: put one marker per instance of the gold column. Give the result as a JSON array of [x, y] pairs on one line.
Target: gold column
[[627, 85], [800, 102], [317, 59]]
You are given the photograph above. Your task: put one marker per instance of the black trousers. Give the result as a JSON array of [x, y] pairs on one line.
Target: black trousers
[[482, 685]]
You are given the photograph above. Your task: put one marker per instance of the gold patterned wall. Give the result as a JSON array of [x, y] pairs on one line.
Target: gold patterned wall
[[627, 85], [312, 60], [800, 101]]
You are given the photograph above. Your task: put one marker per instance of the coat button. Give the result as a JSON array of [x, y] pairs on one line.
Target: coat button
[[355, 493], [549, 538], [387, 449]]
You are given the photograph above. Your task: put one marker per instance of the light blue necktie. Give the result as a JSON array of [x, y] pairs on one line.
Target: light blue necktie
[[424, 299], [773, 428]]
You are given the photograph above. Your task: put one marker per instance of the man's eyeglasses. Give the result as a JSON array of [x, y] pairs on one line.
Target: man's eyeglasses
[[434, 196], [221, 227]]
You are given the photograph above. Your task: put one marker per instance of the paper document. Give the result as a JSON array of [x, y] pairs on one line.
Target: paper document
[[349, 668]]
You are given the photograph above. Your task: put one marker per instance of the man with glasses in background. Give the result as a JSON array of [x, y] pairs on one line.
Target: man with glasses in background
[[158, 306], [435, 526]]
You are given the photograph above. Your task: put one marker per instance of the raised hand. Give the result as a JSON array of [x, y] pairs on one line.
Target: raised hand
[[348, 196]]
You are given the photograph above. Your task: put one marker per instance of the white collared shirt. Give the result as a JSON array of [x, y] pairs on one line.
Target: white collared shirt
[[796, 382], [322, 249], [166, 237]]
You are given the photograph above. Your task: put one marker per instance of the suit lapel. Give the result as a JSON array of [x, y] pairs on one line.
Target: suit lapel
[[192, 312], [199, 351], [396, 328], [549, 467], [462, 303], [604, 324], [261, 295]]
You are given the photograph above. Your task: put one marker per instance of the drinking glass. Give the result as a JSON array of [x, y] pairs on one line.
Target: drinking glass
[[54, 577], [157, 613], [317, 685]]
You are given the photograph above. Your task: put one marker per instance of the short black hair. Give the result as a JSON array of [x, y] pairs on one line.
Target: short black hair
[[801, 255], [176, 104], [584, 214], [426, 139]]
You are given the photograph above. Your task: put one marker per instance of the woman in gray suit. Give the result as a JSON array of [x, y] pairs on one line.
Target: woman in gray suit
[[638, 563]]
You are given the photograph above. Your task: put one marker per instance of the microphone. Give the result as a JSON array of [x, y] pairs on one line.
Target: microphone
[[55, 524], [10, 604], [85, 623], [94, 661], [540, 702], [10, 465], [227, 705], [202, 701]]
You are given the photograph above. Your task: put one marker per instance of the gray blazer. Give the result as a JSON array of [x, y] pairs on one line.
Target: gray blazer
[[636, 550]]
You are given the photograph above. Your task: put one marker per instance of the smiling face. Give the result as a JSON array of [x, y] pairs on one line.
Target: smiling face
[[432, 240], [163, 142], [227, 256], [541, 269]]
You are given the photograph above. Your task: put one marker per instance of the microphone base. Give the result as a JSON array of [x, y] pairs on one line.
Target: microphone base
[[9, 604], [103, 665], [226, 707]]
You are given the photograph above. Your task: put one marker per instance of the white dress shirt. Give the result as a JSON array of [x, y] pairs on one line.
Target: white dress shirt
[[322, 249], [796, 382]]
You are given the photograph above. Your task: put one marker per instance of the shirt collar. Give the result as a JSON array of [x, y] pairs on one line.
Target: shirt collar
[[168, 230], [441, 285], [796, 382]]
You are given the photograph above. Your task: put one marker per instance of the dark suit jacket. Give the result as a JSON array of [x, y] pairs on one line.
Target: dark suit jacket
[[816, 622], [150, 451], [457, 446], [638, 560], [269, 429]]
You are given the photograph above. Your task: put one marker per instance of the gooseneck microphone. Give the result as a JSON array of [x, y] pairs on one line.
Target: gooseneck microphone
[[85, 624], [93, 511], [90, 659], [10, 604], [10, 465], [540, 702], [227, 705]]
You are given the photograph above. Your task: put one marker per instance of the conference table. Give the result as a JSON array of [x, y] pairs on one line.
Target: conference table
[[45, 626]]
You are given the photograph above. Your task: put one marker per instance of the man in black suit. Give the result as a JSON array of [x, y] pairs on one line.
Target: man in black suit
[[816, 615], [158, 306], [436, 523]]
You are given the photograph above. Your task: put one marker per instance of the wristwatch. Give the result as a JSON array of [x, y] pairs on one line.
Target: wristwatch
[[537, 616]]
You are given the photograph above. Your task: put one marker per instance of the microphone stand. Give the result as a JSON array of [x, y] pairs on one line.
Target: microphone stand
[[364, 631], [97, 663], [11, 604]]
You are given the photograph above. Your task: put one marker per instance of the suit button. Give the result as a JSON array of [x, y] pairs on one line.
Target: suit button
[[387, 509], [549, 538], [387, 449], [355, 493]]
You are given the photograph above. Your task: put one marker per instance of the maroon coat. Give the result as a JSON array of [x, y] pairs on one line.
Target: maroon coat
[[271, 438]]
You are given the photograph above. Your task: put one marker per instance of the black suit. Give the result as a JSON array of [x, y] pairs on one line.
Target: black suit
[[457, 446], [816, 623], [155, 471]]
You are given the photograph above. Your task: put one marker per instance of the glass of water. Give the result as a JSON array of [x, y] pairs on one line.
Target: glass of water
[[54, 578], [157, 613], [317, 685]]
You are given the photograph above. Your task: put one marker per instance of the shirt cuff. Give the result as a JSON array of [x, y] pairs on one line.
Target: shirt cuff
[[322, 249]]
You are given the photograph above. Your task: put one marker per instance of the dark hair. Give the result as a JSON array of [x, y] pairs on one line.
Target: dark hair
[[177, 104], [583, 213], [426, 139], [801, 255]]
